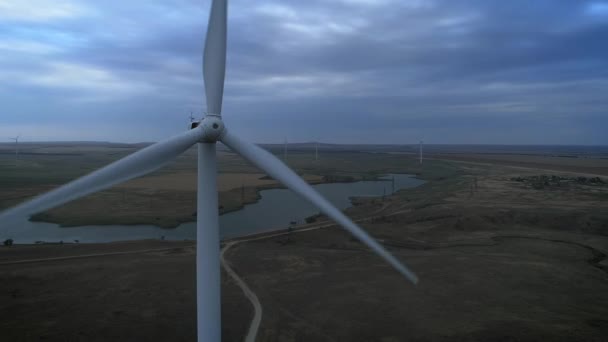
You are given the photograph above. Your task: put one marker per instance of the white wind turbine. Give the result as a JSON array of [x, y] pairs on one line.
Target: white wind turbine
[[420, 150], [205, 135], [16, 139]]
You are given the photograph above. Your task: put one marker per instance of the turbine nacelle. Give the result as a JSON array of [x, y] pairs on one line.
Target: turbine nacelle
[[211, 128]]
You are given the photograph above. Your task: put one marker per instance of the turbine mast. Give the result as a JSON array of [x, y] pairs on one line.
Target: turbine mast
[[285, 150], [208, 285], [16, 149]]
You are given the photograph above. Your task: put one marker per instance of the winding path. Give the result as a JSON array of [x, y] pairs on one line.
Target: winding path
[[257, 307]]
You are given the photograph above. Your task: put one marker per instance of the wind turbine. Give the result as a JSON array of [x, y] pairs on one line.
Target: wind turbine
[[210, 130], [285, 150], [16, 148], [420, 150]]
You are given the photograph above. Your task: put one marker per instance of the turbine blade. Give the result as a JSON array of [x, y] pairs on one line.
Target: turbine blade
[[279, 171], [136, 164], [214, 56]]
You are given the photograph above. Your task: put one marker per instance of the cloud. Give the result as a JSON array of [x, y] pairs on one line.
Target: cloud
[[41, 10], [597, 8], [408, 65], [91, 80], [27, 47]]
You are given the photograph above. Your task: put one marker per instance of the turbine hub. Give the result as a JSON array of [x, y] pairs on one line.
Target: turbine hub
[[213, 127]]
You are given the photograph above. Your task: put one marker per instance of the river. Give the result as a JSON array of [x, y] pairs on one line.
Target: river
[[275, 210]]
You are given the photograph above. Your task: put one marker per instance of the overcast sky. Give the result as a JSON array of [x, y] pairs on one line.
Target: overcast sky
[[344, 71]]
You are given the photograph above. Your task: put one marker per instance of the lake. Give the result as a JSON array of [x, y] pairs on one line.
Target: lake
[[275, 210]]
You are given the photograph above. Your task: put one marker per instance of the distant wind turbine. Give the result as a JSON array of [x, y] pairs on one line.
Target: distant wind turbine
[[205, 135], [285, 150], [16, 139]]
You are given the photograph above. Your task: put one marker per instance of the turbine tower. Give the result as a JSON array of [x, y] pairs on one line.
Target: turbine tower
[[16, 139], [285, 150], [210, 130]]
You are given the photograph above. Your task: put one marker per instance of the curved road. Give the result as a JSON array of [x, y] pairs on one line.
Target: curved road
[[257, 307]]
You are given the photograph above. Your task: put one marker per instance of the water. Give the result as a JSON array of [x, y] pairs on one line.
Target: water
[[275, 210]]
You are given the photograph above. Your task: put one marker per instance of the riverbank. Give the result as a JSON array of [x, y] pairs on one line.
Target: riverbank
[[277, 209], [155, 203], [167, 197], [131, 205]]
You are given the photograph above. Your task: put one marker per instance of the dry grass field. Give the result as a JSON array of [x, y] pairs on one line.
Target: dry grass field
[[503, 254], [582, 165], [186, 181], [164, 198], [498, 262]]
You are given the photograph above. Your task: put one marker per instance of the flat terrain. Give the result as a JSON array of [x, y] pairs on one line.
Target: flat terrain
[[502, 262], [503, 254], [143, 296], [166, 197], [587, 166]]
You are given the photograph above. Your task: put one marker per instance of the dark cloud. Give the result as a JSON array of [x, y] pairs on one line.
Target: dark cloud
[[344, 71]]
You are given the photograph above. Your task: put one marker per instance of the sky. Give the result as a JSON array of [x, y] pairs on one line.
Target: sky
[[339, 71]]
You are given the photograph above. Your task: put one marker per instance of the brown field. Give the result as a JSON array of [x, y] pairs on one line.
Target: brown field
[[186, 181], [145, 296], [581, 165], [165, 200], [498, 260]]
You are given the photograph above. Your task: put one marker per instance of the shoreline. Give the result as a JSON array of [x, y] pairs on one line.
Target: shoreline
[[252, 196]]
